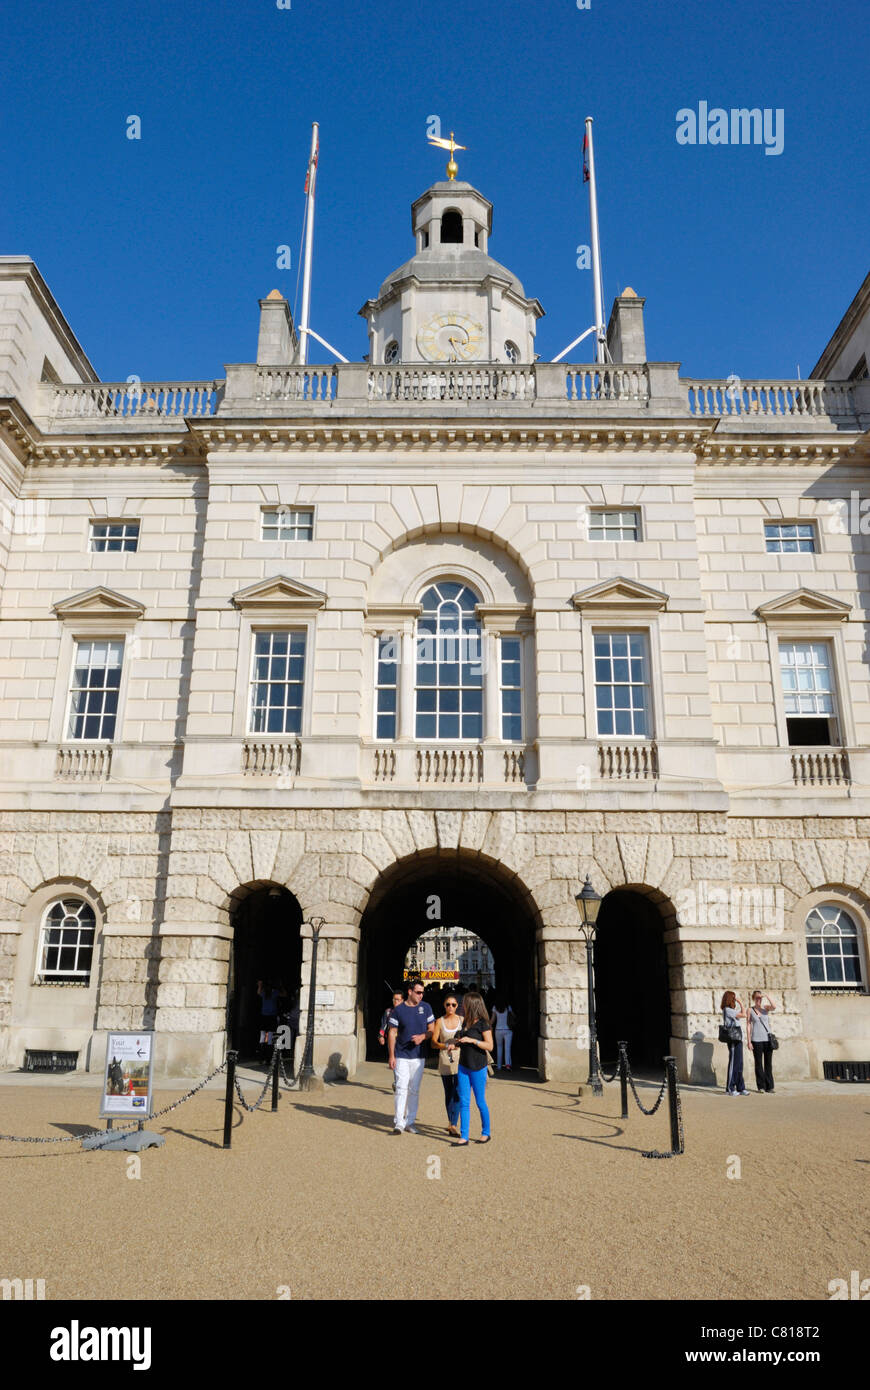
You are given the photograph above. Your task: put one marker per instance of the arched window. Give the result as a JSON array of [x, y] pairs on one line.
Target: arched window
[[511, 352], [66, 945], [451, 226], [391, 352], [449, 674], [832, 947]]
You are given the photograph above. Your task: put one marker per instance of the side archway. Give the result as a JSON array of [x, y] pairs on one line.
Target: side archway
[[266, 946], [632, 984]]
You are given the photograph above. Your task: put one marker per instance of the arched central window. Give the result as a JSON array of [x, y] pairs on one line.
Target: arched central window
[[449, 671]]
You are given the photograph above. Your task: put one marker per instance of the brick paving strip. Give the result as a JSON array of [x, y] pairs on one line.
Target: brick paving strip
[[314, 1197]]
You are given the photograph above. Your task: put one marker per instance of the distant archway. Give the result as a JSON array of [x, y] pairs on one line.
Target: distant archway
[[631, 980], [470, 892], [266, 945]]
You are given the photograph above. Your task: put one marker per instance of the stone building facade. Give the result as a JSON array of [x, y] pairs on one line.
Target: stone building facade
[[450, 624]]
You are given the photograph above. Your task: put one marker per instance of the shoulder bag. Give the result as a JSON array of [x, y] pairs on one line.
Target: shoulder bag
[[771, 1037]]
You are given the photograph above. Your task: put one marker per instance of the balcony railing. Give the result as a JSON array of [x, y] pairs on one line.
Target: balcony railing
[[627, 762], [786, 399], [142, 401], [568, 390], [84, 762], [278, 758], [452, 384], [448, 765], [828, 767]]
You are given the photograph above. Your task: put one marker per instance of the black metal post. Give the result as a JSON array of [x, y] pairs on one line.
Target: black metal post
[[308, 1078], [623, 1078], [594, 1074], [232, 1058], [275, 1077], [671, 1070]]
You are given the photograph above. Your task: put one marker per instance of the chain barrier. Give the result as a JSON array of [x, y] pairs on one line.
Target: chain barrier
[[266, 1084], [290, 1082], [122, 1129], [659, 1099]]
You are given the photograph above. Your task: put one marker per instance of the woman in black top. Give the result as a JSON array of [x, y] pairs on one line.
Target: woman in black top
[[475, 1040]]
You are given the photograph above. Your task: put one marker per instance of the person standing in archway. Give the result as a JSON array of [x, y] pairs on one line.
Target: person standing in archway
[[270, 993], [503, 1022], [475, 1041], [408, 1028], [446, 1029]]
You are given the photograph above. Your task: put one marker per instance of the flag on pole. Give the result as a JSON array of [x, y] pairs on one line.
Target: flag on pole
[[312, 165], [586, 157]]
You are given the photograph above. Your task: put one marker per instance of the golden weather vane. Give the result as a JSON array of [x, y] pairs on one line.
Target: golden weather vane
[[451, 145]]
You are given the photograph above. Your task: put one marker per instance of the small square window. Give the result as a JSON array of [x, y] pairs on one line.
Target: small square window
[[790, 537], [614, 524], [287, 524], [113, 535]]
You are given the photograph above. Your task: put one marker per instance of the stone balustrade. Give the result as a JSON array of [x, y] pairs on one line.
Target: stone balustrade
[[627, 761], [145, 402], [561, 389], [820, 767], [271, 758], [447, 765], [84, 762], [786, 399]]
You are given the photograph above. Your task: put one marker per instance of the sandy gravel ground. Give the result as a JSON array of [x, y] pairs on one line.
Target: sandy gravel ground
[[322, 1199]]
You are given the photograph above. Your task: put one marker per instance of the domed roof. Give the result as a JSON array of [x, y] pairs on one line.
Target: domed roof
[[449, 261]]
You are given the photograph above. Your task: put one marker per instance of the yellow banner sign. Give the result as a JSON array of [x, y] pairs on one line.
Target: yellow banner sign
[[431, 976]]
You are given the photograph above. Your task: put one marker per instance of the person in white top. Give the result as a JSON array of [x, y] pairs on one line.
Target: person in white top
[[758, 1037], [503, 1024], [445, 1031]]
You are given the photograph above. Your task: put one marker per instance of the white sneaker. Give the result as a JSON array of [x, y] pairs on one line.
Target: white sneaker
[[409, 1129]]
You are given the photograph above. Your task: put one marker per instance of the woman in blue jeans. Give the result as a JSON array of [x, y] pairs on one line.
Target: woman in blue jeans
[[475, 1040]]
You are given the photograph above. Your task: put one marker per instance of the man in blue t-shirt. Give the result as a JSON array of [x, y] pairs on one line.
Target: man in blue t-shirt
[[408, 1029]]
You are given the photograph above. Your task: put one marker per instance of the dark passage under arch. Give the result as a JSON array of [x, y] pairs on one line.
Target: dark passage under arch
[[470, 894], [266, 946], [631, 981]]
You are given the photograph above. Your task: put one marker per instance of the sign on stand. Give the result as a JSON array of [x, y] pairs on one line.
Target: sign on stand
[[127, 1078]]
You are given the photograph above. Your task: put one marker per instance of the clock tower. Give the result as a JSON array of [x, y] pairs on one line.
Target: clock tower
[[451, 302]]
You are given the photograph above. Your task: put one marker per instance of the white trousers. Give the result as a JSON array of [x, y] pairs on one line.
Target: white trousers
[[503, 1039], [409, 1074]]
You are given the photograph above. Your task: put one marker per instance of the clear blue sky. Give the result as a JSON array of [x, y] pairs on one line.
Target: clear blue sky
[[158, 250]]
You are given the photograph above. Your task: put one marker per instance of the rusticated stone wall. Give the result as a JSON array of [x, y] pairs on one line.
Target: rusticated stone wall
[[166, 893]]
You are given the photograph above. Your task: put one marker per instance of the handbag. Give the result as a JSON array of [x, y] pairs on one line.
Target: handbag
[[730, 1032]]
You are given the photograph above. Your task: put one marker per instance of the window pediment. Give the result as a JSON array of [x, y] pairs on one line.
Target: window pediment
[[99, 603], [280, 592], [620, 595], [803, 604]]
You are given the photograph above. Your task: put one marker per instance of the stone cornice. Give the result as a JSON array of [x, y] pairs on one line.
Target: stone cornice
[[376, 433], [732, 451]]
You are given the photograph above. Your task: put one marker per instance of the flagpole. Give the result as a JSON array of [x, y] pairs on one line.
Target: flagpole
[[601, 333], [305, 312]]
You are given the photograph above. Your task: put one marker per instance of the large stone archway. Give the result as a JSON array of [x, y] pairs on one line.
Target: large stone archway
[[466, 890]]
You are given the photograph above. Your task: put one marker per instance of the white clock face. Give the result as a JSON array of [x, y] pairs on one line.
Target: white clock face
[[450, 337]]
